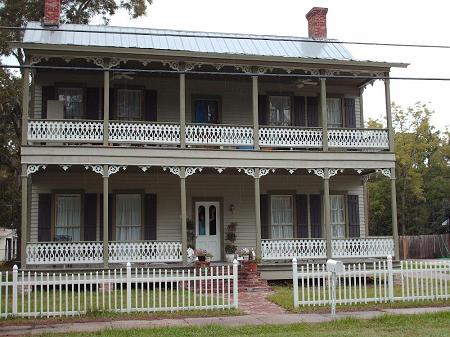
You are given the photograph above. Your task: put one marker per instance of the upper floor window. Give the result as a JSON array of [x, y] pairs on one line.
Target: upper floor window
[[68, 217], [337, 216], [206, 111], [281, 208], [72, 99], [129, 104], [334, 111], [280, 110]]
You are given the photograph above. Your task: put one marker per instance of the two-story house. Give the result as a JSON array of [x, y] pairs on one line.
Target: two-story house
[[140, 142]]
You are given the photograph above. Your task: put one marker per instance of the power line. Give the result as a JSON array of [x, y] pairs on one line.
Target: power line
[[291, 75], [213, 35]]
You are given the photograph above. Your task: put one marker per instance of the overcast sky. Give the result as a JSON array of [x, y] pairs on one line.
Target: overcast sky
[[396, 21]]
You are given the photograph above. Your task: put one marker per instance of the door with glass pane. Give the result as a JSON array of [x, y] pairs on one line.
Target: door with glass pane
[[207, 224]]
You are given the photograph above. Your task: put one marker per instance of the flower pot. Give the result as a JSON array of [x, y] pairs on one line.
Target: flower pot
[[201, 264], [229, 257], [252, 267], [202, 258]]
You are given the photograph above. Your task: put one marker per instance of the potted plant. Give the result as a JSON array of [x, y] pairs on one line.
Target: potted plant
[[230, 237], [230, 251], [202, 254], [249, 262], [243, 254]]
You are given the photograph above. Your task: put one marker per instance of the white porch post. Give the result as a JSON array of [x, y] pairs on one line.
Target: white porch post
[[323, 109], [25, 103], [24, 218], [183, 215], [257, 212], [387, 91], [394, 215], [182, 110], [326, 209], [105, 217], [106, 107], [255, 112]]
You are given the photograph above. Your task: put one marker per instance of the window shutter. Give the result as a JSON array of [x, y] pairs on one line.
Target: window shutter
[[301, 209], [312, 110], [264, 214], [93, 103], [299, 111], [48, 93], [353, 216], [262, 109], [112, 103], [90, 216], [44, 216], [315, 210], [350, 115], [151, 106], [150, 207], [110, 214]]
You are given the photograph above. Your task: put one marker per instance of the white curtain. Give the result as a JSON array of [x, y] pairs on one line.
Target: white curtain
[[68, 213], [334, 112], [280, 110], [282, 217], [129, 104], [337, 215], [128, 217]]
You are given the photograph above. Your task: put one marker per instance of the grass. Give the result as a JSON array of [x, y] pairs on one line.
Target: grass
[[429, 325]]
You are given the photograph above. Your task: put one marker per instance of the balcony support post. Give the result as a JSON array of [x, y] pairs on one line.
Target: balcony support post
[[326, 203], [394, 215], [255, 109], [24, 218], [105, 216], [323, 110], [387, 95], [183, 215], [182, 110], [257, 212], [106, 106], [25, 103]]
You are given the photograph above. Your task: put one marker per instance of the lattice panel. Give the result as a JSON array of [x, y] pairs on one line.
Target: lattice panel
[[65, 131], [288, 249], [219, 135], [145, 251], [363, 247], [144, 133], [359, 138], [64, 252], [290, 137]]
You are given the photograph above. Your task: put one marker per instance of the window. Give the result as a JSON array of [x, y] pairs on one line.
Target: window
[[280, 110], [334, 111], [72, 99], [128, 217], [282, 216], [129, 104], [337, 216], [206, 111], [68, 217]]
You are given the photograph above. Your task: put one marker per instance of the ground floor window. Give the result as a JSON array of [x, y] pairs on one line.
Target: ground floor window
[[128, 217], [282, 216], [337, 216], [68, 217]]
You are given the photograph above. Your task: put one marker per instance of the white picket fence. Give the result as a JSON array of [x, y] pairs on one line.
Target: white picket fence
[[376, 282], [33, 294]]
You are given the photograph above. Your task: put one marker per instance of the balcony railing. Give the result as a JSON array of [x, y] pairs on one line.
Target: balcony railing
[[152, 133]]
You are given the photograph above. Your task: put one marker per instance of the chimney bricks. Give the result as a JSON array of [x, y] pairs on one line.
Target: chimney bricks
[[52, 11], [317, 23]]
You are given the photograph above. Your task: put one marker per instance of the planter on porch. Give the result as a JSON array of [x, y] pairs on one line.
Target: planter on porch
[[201, 264], [250, 265]]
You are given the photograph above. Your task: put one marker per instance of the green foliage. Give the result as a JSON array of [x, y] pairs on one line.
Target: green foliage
[[230, 249]]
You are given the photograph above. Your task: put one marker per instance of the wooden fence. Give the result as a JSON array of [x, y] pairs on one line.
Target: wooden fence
[[424, 246]]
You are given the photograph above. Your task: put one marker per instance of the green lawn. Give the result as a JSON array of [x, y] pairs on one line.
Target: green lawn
[[429, 325]]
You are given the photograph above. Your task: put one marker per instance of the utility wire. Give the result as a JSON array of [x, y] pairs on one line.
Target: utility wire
[[213, 35]]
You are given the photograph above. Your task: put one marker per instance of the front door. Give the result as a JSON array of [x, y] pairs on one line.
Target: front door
[[207, 224]]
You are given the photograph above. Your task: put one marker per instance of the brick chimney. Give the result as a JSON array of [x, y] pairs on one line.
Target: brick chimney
[[52, 11], [317, 23]]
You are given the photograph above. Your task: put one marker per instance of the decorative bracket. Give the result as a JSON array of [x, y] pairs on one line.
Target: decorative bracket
[[385, 171], [114, 169], [37, 59], [265, 171], [291, 170], [220, 169], [173, 169], [34, 168], [317, 171], [359, 170], [65, 167], [191, 170], [95, 168], [144, 168], [250, 171], [334, 171]]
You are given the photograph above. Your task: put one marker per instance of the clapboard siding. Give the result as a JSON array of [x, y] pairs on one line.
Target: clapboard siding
[[235, 190]]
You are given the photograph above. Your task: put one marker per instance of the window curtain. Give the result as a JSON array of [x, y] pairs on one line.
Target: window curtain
[[68, 213], [334, 113], [280, 110], [73, 102], [128, 217], [282, 217], [129, 104], [337, 215]]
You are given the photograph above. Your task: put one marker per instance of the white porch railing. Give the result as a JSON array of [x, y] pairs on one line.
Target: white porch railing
[[377, 139], [363, 247], [209, 134], [290, 248], [144, 133], [290, 137], [64, 252], [83, 131], [144, 251]]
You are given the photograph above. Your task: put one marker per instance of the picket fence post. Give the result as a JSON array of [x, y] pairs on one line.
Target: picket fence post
[[129, 287], [235, 284], [390, 279], [295, 281], [14, 291]]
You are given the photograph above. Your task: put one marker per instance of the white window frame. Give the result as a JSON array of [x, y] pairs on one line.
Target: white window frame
[[281, 119], [284, 226], [128, 227], [71, 227], [128, 117], [337, 102], [343, 217]]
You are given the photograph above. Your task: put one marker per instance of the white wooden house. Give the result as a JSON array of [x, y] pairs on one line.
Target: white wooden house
[[8, 244]]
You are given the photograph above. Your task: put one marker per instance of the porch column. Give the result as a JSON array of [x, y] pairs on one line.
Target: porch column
[[326, 209], [24, 218], [323, 109], [257, 212], [394, 215], [183, 215], [105, 217], [182, 110], [255, 112], [25, 104], [387, 94], [106, 106]]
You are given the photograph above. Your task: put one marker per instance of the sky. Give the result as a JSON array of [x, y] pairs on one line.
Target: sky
[[394, 21]]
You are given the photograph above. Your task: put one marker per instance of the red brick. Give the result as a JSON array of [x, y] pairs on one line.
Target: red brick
[[317, 23], [52, 11]]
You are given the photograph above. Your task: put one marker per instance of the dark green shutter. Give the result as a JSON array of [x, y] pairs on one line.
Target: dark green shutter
[[44, 217], [299, 111], [312, 111], [263, 109], [350, 115], [353, 216], [93, 103], [264, 214], [150, 212], [110, 213], [315, 210], [48, 93], [151, 106], [90, 216], [301, 209]]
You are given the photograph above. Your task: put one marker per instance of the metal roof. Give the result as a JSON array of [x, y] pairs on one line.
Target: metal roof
[[187, 41]]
